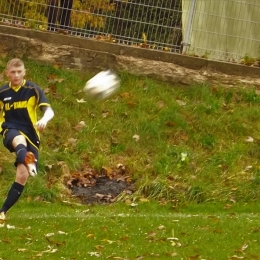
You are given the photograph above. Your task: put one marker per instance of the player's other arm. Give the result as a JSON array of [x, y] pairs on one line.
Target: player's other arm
[[47, 116]]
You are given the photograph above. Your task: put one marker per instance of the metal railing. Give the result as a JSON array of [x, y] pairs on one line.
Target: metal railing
[[147, 23], [225, 30]]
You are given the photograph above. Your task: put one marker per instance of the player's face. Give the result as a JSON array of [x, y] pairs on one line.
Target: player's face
[[15, 75]]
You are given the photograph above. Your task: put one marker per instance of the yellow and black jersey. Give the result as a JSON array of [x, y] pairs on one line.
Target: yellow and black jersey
[[18, 109]]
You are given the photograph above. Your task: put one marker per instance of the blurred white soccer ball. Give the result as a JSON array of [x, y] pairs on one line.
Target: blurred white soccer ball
[[102, 85]]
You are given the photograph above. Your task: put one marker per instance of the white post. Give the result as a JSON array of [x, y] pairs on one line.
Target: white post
[[186, 41]]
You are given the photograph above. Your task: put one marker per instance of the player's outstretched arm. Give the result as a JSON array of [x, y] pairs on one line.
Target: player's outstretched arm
[[48, 115]]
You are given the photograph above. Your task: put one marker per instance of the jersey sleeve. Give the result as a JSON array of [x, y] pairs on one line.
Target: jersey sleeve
[[42, 100]]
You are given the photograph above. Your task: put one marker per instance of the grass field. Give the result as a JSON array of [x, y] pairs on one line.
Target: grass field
[[193, 152], [144, 230]]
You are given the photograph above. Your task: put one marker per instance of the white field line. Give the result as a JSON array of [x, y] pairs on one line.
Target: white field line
[[83, 215]]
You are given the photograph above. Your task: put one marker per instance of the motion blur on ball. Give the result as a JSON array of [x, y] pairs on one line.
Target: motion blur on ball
[[103, 85]]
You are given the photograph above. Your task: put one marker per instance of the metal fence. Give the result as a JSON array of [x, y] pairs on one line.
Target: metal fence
[[223, 30], [226, 30]]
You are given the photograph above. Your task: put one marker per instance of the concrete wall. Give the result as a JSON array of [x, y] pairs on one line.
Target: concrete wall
[[89, 54]]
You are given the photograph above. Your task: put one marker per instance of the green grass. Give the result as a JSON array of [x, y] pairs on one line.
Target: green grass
[[192, 158], [207, 123], [144, 230]]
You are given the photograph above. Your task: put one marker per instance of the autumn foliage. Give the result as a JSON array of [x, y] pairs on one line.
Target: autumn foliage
[[85, 13]]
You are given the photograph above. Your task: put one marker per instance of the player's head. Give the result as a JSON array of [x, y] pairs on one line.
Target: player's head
[[15, 71]]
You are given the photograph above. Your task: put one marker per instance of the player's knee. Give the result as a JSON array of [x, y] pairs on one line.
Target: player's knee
[[19, 139]]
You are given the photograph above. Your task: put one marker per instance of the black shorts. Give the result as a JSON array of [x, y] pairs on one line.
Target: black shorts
[[8, 137]]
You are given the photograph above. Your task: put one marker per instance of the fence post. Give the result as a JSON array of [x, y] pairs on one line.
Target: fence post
[[186, 40]]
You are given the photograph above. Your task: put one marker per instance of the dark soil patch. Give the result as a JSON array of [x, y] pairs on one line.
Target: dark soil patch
[[100, 187], [104, 191]]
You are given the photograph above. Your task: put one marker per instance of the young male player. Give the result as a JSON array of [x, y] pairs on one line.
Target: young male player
[[19, 100]]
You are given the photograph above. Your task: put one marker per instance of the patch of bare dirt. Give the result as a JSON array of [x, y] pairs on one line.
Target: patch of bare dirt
[[100, 187]]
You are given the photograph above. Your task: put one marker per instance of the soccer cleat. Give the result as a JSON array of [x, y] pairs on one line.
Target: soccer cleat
[[30, 163], [2, 217]]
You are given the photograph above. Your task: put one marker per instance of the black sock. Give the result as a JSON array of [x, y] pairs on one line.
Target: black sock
[[12, 196], [20, 151]]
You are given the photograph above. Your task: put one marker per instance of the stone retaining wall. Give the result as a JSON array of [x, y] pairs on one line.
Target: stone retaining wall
[[91, 54]]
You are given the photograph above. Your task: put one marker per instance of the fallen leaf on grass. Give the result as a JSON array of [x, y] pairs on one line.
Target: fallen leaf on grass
[[117, 257], [108, 172], [249, 167], [21, 249], [173, 238], [227, 206], [62, 232], [97, 254], [217, 231], [172, 254], [249, 139], [51, 89], [242, 249], [234, 257], [6, 240], [80, 126], [160, 104], [170, 123], [81, 100], [256, 230], [183, 156], [161, 227], [105, 114], [100, 196], [195, 257], [55, 242], [10, 227], [50, 250], [57, 65], [126, 238], [131, 104], [144, 200], [52, 78], [108, 241], [151, 234], [48, 166], [49, 234], [180, 102], [99, 247], [123, 179], [177, 244], [136, 138], [125, 94], [72, 141]]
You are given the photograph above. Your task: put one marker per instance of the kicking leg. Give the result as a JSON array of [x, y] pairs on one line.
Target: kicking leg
[[22, 173]]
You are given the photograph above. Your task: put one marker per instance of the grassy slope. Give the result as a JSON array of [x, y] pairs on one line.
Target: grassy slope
[[207, 123]]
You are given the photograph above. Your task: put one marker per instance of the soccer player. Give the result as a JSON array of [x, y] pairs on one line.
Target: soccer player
[[19, 100]]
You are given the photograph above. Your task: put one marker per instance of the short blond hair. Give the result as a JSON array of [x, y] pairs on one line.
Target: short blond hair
[[16, 62]]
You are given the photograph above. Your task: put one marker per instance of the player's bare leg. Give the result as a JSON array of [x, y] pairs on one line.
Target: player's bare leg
[[23, 170]]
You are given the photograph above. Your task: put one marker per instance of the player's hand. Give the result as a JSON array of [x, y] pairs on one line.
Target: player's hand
[[41, 124]]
